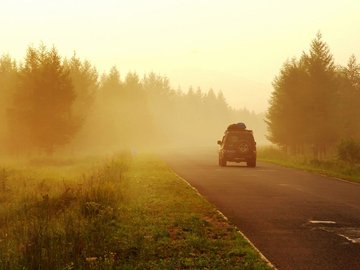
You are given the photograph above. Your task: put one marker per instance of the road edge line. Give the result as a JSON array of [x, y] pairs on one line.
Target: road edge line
[[337, 178], [262, 256]]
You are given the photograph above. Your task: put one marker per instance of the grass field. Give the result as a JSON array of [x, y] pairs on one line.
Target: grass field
[[330, 166], [120, 213]]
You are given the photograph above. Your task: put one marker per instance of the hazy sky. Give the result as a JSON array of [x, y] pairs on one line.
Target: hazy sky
[[235, 46]]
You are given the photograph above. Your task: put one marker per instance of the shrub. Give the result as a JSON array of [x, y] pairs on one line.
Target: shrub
[[349, 151]]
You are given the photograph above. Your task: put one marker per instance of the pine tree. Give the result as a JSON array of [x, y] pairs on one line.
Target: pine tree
[[349, 99], [41, 117], [8, 80], [84, 78], [323, 87], [303, 109], [111, 87], [286, 117]]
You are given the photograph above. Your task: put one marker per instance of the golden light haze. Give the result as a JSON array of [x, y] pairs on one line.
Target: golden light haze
[[234, 46]]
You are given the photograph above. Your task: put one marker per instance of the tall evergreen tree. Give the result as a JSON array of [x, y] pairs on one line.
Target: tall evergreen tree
[[84, 78], [111, 87], [41, 116], [303, 108], [349, 99], [286, 117], [8, 81], [323, 86]]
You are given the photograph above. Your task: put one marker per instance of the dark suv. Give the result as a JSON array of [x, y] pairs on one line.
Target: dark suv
[[237, 145]]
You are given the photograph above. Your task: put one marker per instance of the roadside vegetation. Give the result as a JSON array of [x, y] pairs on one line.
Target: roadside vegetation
[[314, 114], [341, 164], [122, 213], [59, 215], [315, 104]]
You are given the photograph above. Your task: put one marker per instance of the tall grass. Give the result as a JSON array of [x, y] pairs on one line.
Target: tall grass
[[59, 223]]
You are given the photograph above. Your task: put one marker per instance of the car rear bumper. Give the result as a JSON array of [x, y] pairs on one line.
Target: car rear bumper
[[238, 156]]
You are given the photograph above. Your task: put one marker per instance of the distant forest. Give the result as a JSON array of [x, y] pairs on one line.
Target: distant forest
[[52, 104], [315, 104]]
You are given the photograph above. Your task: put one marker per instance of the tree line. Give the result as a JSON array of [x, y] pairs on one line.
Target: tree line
[[49, 103], [315, 103]]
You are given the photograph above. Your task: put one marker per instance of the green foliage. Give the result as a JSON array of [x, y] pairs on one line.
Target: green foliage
[[332, 166], [84, 79], [50, 104], [8, 79], [287, 116], [129, 213], [41, 114], [313, 103], [166, 225], [349, 151], [349, 97]]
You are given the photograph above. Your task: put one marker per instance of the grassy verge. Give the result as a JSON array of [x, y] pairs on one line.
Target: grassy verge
[[177, 229], [126, 213], [330, 167]]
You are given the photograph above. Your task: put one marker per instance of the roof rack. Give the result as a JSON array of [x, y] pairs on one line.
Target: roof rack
[[237, 126]]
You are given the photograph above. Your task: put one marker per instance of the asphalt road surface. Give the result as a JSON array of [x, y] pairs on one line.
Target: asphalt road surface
[[298, 220]]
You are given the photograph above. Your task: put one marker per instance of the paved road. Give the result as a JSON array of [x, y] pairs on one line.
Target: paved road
[[298, 220]]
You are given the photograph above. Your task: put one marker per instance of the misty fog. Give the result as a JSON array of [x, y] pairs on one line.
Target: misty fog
[[50, 104]]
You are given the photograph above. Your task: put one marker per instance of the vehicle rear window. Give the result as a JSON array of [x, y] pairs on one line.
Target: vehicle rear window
[[238, 137]]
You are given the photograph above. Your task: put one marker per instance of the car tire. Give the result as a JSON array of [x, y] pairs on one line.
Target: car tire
[[222, 162], [251, 163]]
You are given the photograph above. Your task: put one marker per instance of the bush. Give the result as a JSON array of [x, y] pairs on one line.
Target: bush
[[349, 151]]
